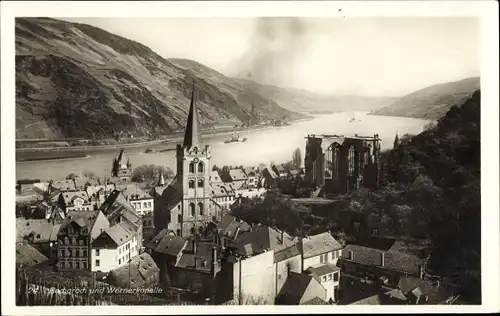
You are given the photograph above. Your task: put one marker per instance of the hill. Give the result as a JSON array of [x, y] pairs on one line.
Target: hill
[[76, 80], [432, 102]]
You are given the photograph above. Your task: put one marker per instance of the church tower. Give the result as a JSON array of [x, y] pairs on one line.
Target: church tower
[[193, 170]]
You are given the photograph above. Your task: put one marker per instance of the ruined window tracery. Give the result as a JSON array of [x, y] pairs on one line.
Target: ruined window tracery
[[352, 160]]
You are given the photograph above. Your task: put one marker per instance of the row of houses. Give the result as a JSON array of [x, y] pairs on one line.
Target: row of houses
[[102, 240], [247, 264]]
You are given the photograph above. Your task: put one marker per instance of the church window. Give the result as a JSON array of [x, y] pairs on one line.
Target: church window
[[200, 208], [336, 157], [352, 160], [192, 209], [200, 167], [200, 183], [191, 167], [329, 162], [191, 184]]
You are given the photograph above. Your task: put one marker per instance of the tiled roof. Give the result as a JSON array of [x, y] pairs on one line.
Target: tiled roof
[[250, 172], [220, 190], [27, 255], [319, 244], [203, 256], [237, 174], [230, 224], [261, 238], [132, 191], [436, 294], [119, 234], [40, 228], [323, 269], [393, 260], [167, 244], [371, 300], [82, 218], [215, 177], [287, 253], [142, 267], [69, 197], [294, 289], [315, 301], [116, 205]]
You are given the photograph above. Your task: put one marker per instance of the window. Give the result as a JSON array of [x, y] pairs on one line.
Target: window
[[85, 265], [200, 183], [329, 277], [352, 160], [191, 167], [85, 253], [120, 261], [144, 205], [179, 218], [336, 276], [192, 209], [77, 253], [191, 184], [77, 265], [323, 278], [323, 258], [200, 208], [329, 162], [80, 242], [70, 264], [97, 252], [334, 255], [62, 253], [149, 204], [97, 263], [336, 157]]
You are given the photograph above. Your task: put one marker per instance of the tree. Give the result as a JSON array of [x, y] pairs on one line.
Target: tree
[[297, 158], [88, 174], [151, 172], [71, 176]]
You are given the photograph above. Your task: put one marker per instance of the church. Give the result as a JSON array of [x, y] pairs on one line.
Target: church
[[186, 205]]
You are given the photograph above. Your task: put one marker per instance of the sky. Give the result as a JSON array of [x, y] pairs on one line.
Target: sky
[[386, 56]]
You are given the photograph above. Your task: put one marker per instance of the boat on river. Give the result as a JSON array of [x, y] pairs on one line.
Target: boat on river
[[236, 139]]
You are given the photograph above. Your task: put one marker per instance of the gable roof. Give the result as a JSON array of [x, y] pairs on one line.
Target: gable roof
[[70, 197], [237, 175], [116, 207], [82, 218], [435, 293], [393, 260], [215, 177], [322, 269], [130, 190], [64, 185], [168, 244], [203, 257], [118, 233], [230, 224], [27, 255], [287, 253], [40, 228], [250, 172], [142, 268], [259, 239], [319, 244], [294, 289]]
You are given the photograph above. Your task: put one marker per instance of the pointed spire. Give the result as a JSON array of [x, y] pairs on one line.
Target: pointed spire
[[162, 180], [396, 139], [191, 137]]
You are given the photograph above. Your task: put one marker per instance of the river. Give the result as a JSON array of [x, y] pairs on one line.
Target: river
[[262, 146]]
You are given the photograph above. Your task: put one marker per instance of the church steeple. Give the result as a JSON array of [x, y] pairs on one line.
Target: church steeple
[[191, 136], [396, 139]]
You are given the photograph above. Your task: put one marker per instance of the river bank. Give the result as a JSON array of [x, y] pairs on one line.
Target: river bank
[[172, 140]]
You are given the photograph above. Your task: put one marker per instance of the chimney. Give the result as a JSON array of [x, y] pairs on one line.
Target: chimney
[[282, 236], [351, 255], [382, 259]]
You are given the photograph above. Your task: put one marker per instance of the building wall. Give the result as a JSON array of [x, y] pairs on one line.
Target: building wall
[[112, 258], [332, 257], [143, 206], [282, 270], [192, 280], [101, 223], [73, 250], [253, 278]]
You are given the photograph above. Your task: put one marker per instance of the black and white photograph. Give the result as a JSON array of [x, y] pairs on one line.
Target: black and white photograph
[[162, 158]]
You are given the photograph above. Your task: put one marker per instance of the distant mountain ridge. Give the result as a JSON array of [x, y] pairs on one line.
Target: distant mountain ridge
[[432, 102], [76, 80]]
